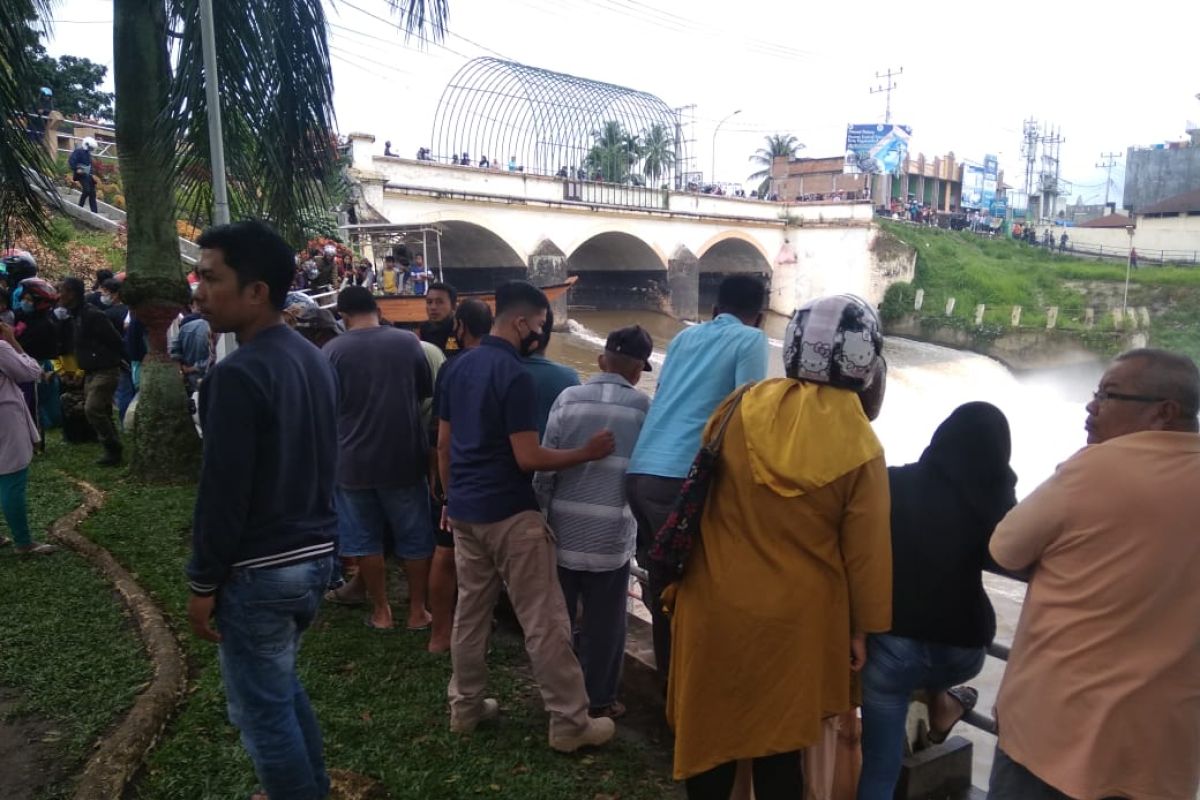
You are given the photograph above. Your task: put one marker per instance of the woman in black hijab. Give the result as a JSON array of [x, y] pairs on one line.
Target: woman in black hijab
[[944, 509]]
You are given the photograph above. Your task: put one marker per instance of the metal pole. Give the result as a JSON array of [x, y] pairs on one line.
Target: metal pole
[[441, 276], [1128, 268], [714, 144], [216, 143]]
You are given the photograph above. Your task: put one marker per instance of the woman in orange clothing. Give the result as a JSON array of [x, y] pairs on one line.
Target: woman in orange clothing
[[793, 567]]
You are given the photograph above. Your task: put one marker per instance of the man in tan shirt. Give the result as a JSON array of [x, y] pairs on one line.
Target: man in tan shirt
[[1101, 697]]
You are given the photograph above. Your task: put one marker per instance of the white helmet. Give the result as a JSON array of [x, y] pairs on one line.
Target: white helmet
[[89, 143], [330, 250]]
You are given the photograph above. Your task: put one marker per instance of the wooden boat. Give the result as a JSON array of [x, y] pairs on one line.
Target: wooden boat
[[407, 309]]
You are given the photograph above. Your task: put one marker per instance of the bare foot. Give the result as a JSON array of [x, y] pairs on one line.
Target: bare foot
[[419, 619], [439, 645], [382, 619]]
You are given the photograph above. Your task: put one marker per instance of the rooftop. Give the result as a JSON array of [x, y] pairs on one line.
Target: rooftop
[[1186, 203], [1107, 221]]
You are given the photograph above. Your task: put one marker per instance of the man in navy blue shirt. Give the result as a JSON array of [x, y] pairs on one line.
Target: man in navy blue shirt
[[487, 451], [263, 530]]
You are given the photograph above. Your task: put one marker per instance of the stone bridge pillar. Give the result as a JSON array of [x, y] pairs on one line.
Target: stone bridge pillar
[[548, 266], [683, 281]]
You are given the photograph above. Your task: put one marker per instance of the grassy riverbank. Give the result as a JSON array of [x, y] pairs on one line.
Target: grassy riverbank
[[1002, 273], [380, 697]]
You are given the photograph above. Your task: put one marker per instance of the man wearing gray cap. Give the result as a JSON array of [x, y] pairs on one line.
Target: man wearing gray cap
[[587, 508]]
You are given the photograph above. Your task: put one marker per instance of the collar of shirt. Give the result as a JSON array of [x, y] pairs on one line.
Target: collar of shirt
[[609, 377], [496, 341], [727, 319]]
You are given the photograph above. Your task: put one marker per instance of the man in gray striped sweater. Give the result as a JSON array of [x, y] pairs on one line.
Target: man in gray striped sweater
[[586, 508]]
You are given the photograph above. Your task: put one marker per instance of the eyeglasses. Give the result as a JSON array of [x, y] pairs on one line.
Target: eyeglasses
[[1102, 395]]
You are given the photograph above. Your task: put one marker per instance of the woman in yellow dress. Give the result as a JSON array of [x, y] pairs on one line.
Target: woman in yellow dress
[[793, 567]]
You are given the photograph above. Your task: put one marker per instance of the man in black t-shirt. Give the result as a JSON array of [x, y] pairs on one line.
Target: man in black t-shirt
[[440, 303]]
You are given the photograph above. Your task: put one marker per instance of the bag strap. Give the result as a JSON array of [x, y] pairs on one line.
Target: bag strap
[[719, 434]]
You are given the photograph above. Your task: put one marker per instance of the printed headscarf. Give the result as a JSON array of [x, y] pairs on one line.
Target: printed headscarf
[[835, 340]]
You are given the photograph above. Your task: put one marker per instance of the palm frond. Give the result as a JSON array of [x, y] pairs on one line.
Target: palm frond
[[276, 105], [422, 16], [23, 161]]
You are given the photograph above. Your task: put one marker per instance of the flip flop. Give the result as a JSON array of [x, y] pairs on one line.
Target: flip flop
[[376, 628], [422, 628], [966, 697], [339, 598], [38, 550]]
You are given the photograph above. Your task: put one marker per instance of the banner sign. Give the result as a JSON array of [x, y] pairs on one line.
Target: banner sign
[[876, 149]]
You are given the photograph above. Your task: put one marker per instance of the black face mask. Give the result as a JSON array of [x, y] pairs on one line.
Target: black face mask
[[529, 342]]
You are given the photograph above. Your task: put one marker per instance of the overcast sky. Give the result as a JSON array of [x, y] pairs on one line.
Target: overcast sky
[[1108, 78]]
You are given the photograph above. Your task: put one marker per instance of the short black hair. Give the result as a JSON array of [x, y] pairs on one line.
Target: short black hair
[[519, 296], [389, 258], [112, 285], [102, 275], [547, 329], [741, 295], [439, 286], [75, 287], [255, 252], [356, 300], [475, 316]]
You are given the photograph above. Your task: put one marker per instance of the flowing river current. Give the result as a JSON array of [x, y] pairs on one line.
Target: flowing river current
[[925, 383]]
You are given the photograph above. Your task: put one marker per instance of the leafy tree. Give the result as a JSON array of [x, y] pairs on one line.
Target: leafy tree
[[614, 152], [276, 95], [75, 83], [20, 154], [779, 144], [658, 151]]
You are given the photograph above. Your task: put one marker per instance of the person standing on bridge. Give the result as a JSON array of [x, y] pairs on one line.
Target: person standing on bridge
[[704, 363], [1101, 696]]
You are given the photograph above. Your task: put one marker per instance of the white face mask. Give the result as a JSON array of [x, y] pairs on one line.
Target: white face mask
[[106, 299], [61, 313]]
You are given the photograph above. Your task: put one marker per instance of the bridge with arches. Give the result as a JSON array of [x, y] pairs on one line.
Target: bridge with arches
[[625, 243]]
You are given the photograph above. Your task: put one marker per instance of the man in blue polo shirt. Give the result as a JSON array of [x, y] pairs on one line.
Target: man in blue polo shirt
[[703, 365], [487, 452]]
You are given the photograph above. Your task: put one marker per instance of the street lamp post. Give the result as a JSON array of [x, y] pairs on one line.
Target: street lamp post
[[1128, 267], [226, 343], [714, 143]]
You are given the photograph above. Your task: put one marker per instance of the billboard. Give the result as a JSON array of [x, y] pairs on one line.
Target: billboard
[[991, 176], [979, 184], [876, 149]]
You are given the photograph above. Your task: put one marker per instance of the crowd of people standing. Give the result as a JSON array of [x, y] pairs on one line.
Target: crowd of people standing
[[821, 581]]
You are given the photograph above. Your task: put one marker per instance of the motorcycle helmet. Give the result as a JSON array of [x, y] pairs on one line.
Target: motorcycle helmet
[[837, 340], [89, 143], [19, 264], [41, 292], [330, 250]]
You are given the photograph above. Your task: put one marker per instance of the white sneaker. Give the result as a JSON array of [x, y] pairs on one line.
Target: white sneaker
[[488, 709], [599, 731]]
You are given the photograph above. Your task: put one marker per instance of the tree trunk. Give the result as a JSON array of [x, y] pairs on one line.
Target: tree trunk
[[165, 445]]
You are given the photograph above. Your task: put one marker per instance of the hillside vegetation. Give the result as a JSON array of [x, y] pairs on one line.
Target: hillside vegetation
[[1001, 273]]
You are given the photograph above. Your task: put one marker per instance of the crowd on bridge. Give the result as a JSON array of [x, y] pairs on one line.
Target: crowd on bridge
[[792, 576]]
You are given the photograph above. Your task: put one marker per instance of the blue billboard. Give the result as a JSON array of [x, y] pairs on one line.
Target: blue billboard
[[991, 179], [876, 149]]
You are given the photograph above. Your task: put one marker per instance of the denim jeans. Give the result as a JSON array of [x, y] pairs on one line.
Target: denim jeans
[[896, 667], [261, 615]]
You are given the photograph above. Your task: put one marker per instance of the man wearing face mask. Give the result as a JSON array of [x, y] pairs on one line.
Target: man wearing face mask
[[99, 349], [487, 451], [112, 305]]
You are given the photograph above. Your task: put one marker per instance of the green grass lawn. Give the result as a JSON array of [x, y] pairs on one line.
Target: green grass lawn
[[1001, 273], [67, 651], [381, 698]]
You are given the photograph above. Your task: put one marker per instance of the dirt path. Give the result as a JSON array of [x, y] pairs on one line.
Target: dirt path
[[27, 754]]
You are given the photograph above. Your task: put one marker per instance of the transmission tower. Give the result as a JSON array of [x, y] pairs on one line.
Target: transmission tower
[[1051, 144], [1107, 162], [887, 90], [1029, 148]]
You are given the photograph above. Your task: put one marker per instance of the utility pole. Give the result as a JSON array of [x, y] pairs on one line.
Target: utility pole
[[1029, 147], [887, 90], [1108, 161], [212, 91]]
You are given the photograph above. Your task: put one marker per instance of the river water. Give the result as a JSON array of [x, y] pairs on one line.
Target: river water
[[925, 383]]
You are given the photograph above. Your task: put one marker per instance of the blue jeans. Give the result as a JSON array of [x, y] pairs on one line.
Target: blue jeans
[[896, 667], [261, 615]]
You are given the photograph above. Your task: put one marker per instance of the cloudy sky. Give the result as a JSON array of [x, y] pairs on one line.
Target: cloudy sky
[[1107, 78]]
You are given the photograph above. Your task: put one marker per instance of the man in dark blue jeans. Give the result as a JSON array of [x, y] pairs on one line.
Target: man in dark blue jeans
[[263, 530]]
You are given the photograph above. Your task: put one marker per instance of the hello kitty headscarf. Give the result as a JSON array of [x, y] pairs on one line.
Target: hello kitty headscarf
[[836, 340]]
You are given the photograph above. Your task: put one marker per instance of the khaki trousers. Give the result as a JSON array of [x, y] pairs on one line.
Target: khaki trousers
[[517, 552], [99, 388]]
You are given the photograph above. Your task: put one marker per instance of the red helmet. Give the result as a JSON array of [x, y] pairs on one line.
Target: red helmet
[[42, 293], [19, 264]]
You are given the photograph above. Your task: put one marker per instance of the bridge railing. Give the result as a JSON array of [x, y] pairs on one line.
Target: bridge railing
[[614, 194]]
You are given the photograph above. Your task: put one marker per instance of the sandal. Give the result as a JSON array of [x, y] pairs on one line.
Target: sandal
[[339, 597], [966, 697], [37, 550], [376, 628]]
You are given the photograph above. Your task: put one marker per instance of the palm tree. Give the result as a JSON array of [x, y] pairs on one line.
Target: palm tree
[[779, 144], [614, 152], [277, 103], [658, 151]]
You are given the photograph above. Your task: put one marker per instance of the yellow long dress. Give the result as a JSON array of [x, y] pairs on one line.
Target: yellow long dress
[[795, 552]]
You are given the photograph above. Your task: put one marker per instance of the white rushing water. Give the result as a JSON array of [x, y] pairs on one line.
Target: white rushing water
[[925, 383]]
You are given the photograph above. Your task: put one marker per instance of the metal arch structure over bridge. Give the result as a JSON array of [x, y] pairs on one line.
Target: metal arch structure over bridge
[[544, 119], [495, 224]]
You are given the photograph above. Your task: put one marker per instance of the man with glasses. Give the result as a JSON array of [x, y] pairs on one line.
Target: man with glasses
[[1101, 696]]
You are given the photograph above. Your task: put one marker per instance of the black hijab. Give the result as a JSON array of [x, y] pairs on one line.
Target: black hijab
[[944, 509]]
